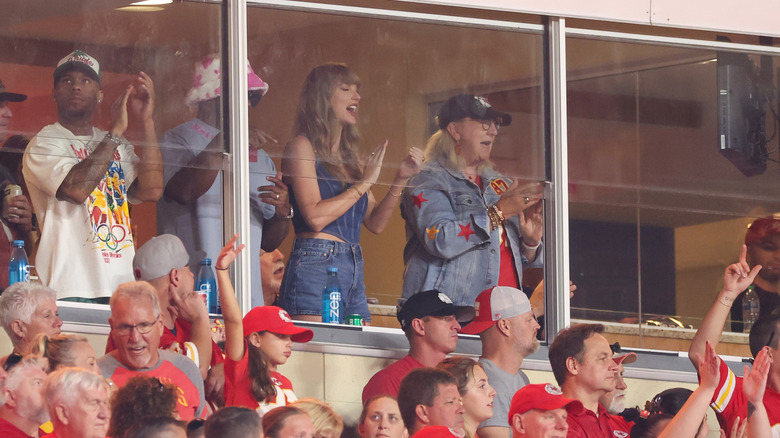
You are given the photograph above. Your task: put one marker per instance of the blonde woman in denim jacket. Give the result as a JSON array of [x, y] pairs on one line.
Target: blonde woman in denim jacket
[[468, 228]]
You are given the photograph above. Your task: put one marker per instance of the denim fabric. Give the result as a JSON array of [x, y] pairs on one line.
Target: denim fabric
[[347, 226], [304, 278], [449, 244]]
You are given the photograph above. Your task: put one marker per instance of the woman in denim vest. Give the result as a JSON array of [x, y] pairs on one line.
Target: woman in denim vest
[[468, 228], [330, 190]]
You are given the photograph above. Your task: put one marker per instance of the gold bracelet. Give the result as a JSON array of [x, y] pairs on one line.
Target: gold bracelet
[[358, 194], [718, 300], [396, 196]]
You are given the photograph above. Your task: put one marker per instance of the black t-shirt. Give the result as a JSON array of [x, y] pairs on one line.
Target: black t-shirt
[[768, 302]]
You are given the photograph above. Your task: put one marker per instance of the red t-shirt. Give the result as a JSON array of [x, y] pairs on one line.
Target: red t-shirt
[[388, 380], [507, 275], [583, 423], [238, 383], [8, 430]]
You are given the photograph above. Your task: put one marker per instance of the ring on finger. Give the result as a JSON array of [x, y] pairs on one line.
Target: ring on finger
[[277, 196], [527, 199]]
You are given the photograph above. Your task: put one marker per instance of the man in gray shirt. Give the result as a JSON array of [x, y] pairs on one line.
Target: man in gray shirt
[[507, 327]]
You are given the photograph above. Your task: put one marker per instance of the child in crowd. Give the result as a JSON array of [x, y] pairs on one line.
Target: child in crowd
[[255, 346]]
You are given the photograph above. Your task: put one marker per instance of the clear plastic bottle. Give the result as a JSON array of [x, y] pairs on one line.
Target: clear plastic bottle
[[19, 266], [332, 305], [207, 286], [750, 309]]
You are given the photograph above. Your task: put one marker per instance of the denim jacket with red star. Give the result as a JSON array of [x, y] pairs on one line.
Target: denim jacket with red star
[[449, 244]]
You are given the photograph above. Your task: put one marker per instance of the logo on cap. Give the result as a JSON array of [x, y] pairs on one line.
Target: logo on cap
[[482, 102], [619, 433], [284, 316], [444, 298], [552, 389]]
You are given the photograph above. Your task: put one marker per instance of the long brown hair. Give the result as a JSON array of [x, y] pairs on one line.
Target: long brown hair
[[314, 116], [263, 389]]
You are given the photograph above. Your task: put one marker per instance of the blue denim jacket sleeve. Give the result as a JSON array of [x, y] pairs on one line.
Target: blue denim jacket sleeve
[[450, 246]]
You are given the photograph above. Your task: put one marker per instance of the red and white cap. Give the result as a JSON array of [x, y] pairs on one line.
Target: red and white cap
[[627, 358], [275, 320], [494, 304], [207, 80], [542, 396]]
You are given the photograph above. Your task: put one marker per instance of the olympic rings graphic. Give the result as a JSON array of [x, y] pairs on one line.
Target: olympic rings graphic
[[109, 235]]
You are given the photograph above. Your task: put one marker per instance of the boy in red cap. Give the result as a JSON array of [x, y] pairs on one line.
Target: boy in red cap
[[255, 345]]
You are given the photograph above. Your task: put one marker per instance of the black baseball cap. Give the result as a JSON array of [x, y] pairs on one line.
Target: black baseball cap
[[11, 97], [432, 303], [468, 105]]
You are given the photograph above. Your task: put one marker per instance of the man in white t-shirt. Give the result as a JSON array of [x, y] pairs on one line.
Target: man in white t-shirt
[[81, 178]]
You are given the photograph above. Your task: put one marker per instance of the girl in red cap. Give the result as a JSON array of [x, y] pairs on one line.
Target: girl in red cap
[[255, 346]]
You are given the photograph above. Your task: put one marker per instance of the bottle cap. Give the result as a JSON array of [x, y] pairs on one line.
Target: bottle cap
[[206, 261], [332, 270], [18, 243]]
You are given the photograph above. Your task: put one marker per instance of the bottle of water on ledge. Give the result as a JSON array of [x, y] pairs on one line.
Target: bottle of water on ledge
[[332, 306], [18, 267], [750, 309]]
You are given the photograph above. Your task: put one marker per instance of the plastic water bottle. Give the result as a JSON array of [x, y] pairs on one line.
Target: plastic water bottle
[[750, 309], [332, 306], [19, 266], [207, 286]]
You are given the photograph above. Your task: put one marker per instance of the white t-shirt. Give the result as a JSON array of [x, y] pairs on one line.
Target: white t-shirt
[[86, 250], [199, 225]]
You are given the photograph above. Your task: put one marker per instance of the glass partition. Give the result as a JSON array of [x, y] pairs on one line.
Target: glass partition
[[659, 200], [407, 69], [88, 224]]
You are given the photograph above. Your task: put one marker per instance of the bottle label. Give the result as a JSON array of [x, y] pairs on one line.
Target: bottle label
[[335, 306]]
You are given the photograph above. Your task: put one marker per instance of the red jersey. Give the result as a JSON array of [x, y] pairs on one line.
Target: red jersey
[[729, 401], [238, 386], [583, 423], [387, 381]]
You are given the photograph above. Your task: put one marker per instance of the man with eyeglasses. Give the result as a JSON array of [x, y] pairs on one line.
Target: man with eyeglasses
[[729, 401], [136, 329], [507, 327], [431, 323]]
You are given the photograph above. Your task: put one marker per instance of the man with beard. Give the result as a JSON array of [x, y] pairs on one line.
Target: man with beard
[[615, 401], [80, 180], [24, 410], [272, 272], [507, 327], [763, 248]]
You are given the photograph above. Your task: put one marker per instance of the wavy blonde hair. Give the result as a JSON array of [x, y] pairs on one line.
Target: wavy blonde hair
[[314, 117]]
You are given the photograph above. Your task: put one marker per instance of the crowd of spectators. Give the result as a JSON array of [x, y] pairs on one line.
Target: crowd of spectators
[[162, 374]]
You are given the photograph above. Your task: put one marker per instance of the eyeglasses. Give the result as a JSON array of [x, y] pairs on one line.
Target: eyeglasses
[[143, 327], [485, 123]]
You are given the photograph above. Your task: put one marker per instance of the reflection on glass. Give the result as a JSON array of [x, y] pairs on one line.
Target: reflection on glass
[[657, 212]]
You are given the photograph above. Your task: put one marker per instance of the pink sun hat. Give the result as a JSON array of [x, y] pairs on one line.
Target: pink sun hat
[[207, 80]]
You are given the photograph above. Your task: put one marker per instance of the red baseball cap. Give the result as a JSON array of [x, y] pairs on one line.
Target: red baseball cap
[[275, 320], [496, 303], [627, 358], [542, 396], [761, 228]]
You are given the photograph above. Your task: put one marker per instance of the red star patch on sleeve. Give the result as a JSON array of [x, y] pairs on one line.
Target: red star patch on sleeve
[[466, 231], [432, 232], [418, 200]]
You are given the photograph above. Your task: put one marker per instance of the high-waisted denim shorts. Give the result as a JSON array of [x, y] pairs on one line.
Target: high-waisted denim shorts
[[304, 278]]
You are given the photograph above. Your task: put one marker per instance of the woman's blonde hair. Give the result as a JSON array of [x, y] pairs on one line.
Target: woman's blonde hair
[[57, 349], [314, 117], [325, 420], [441, 147]]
